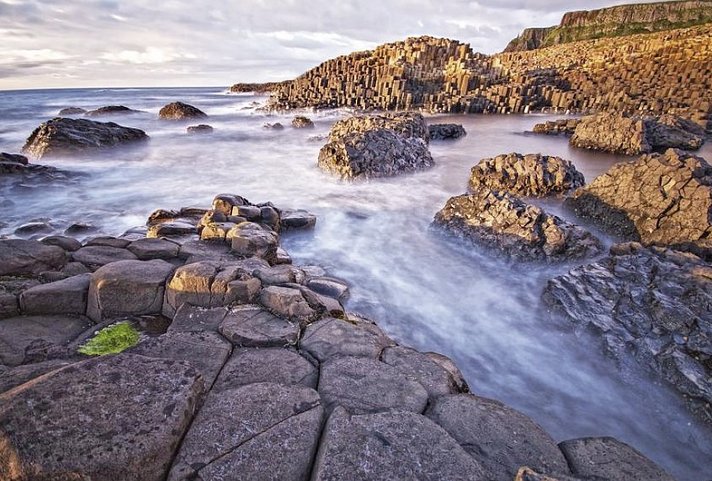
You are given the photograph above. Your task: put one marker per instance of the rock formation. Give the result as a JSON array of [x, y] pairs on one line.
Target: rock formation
[[654, 303], [446, 131], [180, 111], [376, 146], [71, 111], [258, 88], [557, 127], [532, 175], [63, 136], [657, 199], [508, 226], [301, 122], [110, 110]]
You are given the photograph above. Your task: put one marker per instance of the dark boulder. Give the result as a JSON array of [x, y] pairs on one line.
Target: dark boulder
[[28, 257], [180, 111], [301, 122], [110, 110], [446, 131], [71, 111], [199, 129], [274, 126]]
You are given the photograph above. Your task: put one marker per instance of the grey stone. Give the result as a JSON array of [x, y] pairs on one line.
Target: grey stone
[[336, 337], [329, 286], [281, 274], [90, 427], [288, 303], [11, 377], [199, 250], [108, 241], [446, 131], [232, 417], [249, 239], [610, 459], [67, 243], [450, 366], [253, 326], [26, 257], [190, 318], [177, 228], [68, 296], [97, 256], [398, 446], [148, 249], [500, 438], [297, 219], [364, 385], [416, 365], [9, 305]]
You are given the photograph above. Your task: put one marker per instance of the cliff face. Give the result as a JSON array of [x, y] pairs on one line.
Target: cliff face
[[616, 21]]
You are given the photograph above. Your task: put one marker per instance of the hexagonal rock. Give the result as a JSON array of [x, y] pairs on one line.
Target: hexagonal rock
[[190, 318], [253, 326], [206, 351], [97, 256], [399, 445], [128, 288], [431, 375], [109, 418], [241, 432], [281, 274], [148, 249], [335, 337], [11, 377], [197, 250], [498, 437], [18, 334], [608, 458], [253, 365], [249, 239], [176, 228], [287, 302], [67, 296], [363, 385], [25, 257]]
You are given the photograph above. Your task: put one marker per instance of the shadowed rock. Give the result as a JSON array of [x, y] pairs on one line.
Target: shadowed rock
[[67, 296], [27, 257], [11, 377], [199, 129], [446, 131], [301, 122], [110, 110]]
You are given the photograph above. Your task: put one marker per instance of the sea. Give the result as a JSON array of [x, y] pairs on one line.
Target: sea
[[423, 289]]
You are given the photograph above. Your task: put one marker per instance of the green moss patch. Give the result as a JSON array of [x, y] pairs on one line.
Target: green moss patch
[[111, 340]]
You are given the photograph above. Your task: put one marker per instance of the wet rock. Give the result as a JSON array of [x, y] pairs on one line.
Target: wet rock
[[329, 338], [68, 296], [171, 229], [377, 146], [324, 306], [608, 458], [274, 126], [31, 228], [206, 351], [364, 385], [96, 432], [180, 111], [277, 365], [651, 303], [399, 445], [200, 129], [557, 127], [532, 175], [450, 366], [506, 225], [247, 429], [108, 241], [657, 199], [288, 303], [110, 110], [71, 111], [147, 249], [252, 326], [248, 239], [11, 377], [329, 286], [27, 257], [18, 335], [13, 158], [79, 228], [301, 122], [63, 136], [67, 243], [297, 219], [128, 288], [436, 380], [97, 256], [498, 437], [446, 131], [197, 319]]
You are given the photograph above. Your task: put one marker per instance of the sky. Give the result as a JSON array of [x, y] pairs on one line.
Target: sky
[[172, 43]]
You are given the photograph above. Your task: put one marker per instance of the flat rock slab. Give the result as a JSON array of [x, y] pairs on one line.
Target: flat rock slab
[[253, 326], [363, 385], [147, 249], [335, 337], [206, 351], [501, 439], [288, 302], [26, 257], [395, 446], [431, 375], [197, 319], [99, 255], [610, 459], [67, 296], [109, 418], [219, 438], [19, 334], [11, 377], [277, 365], [128, 288]]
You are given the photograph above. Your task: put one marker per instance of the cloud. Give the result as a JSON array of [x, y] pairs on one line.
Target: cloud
[[150, 55]]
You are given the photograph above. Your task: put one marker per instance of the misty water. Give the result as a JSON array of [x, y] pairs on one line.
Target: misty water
[[424, 290]]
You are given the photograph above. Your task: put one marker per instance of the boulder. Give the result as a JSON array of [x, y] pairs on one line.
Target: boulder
[[508, 226], [71, 111], [110, 110], [63, 136], [252, 326], [446, 131], [254, 365], [200, 129], [329, 286], [331, 337], [147, 249], [670, 131], [297, 219], [364, 385], [655, 304], [109, 418], [128, 288], [610, 459], [656, 199], [180, 111], [532, 175], [557, 127], [241, 432], [69, 244], [391, 445], [376, 146], [498, 437], [32, 228], [274, 126], [28, 257], [67, 296], [301, 122], [95, 256], [248, 239], [436, 380]]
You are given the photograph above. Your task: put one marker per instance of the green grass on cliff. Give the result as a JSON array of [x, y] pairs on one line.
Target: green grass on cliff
[[111, 340]]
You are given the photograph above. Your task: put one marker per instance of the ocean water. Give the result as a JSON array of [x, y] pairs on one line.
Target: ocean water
[[424, 290]]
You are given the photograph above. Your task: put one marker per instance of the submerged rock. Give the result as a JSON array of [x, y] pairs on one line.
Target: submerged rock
[[180, 111], [301, 122], [446, 131], [200, 129], [506, 225], [62, 136], [110, 110], [71, 111], [377, 146], [657, 199], [532, 175], [274, 126]]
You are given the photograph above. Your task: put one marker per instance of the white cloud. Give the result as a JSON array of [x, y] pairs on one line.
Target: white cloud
[[150, 55]]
